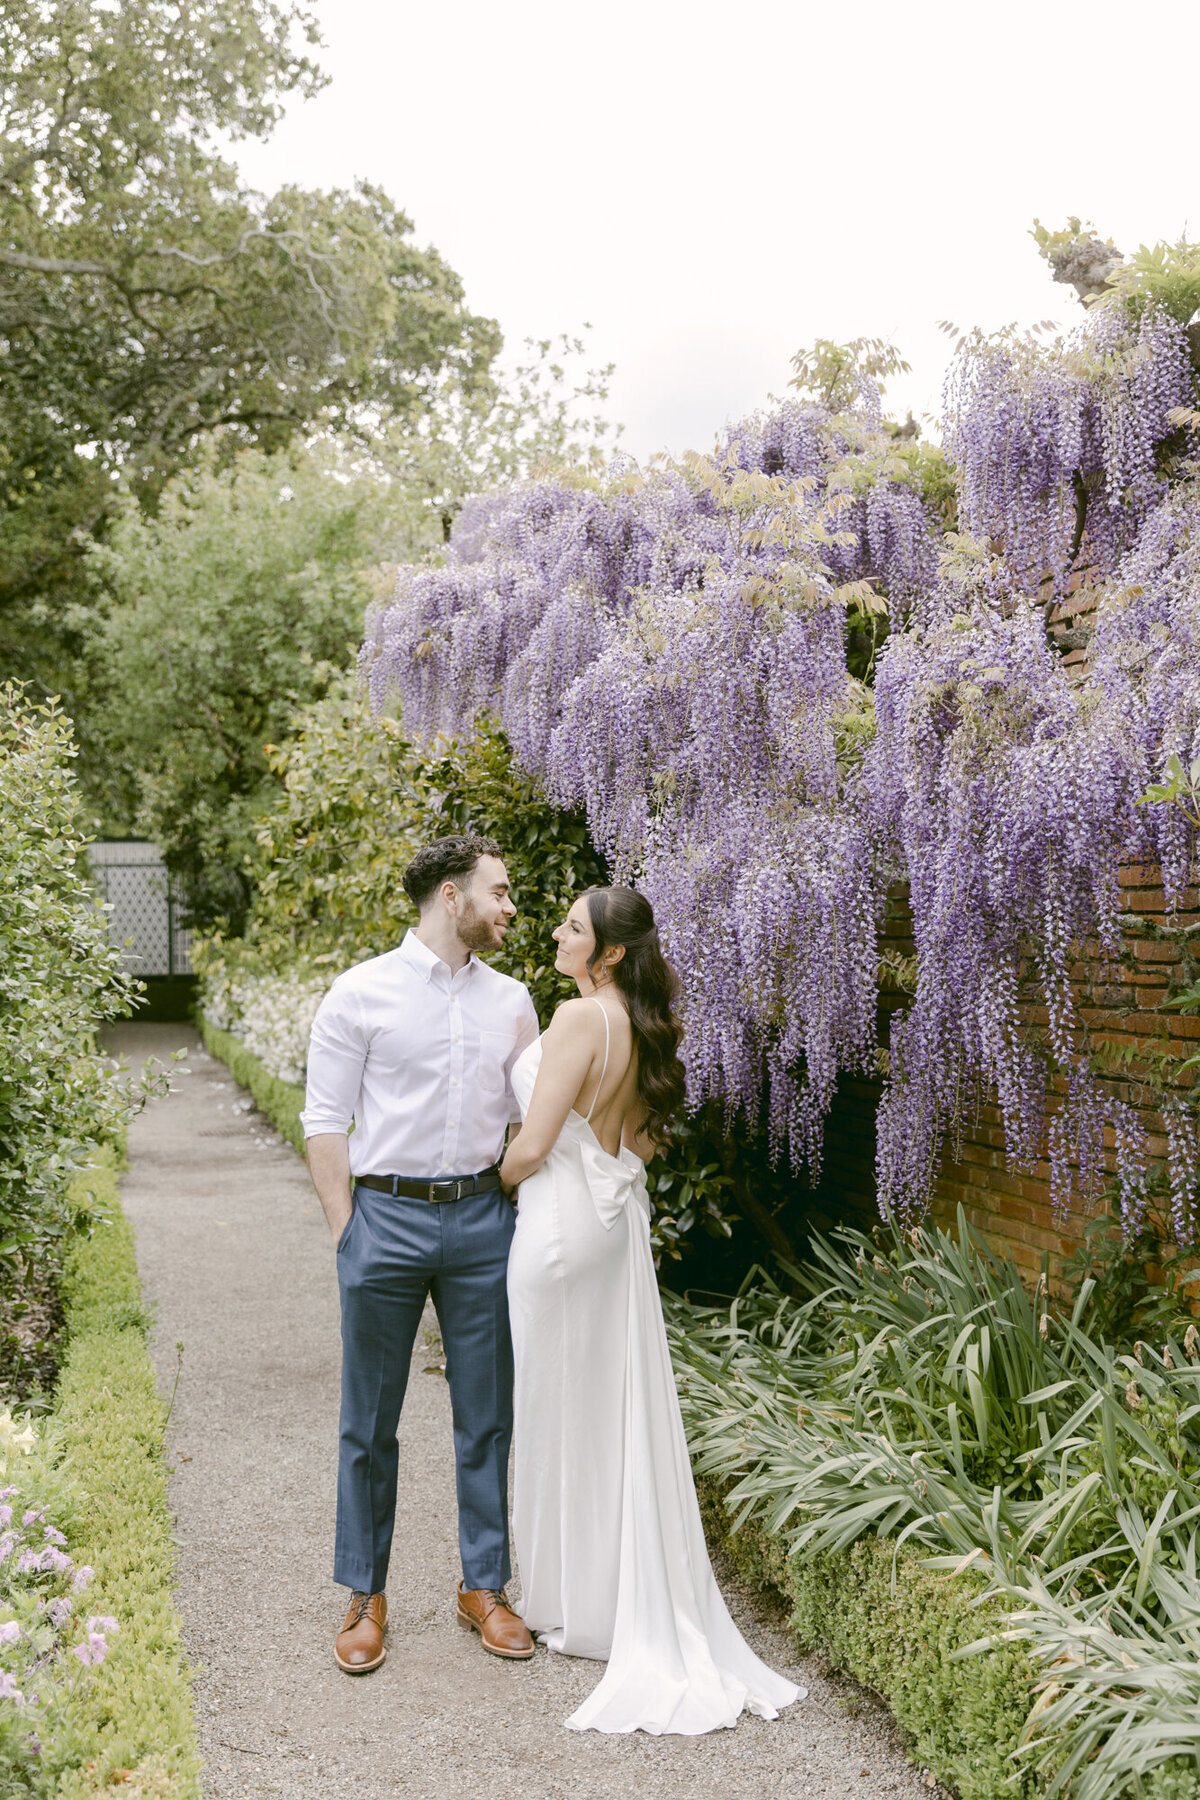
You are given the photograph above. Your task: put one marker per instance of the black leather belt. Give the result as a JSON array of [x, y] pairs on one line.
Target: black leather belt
[[435, 1191]]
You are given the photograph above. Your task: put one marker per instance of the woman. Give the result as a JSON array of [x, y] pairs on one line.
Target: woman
[[606, 1526]]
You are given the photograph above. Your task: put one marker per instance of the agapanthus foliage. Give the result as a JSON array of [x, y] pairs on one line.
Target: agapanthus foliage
[[678, 652]]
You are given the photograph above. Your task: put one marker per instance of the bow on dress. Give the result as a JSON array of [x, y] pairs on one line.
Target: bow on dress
[[614, 1181]]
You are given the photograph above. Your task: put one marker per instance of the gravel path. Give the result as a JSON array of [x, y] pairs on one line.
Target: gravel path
[[237, 1263]]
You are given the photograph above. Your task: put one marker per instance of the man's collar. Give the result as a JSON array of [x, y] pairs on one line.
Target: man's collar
[[424, 960]]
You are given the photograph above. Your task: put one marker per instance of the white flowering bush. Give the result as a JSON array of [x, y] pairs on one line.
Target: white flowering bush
[[48, 1640], [272, 1015]]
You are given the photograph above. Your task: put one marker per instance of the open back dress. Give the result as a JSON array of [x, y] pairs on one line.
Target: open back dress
[[606, 1525]]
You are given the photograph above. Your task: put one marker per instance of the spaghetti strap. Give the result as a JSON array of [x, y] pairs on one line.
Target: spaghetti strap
[[604, 1071]]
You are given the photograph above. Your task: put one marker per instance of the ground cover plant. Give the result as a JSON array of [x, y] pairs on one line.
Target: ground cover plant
[[783, 677], [907, 1398], [92, 1683], [94, 1687]]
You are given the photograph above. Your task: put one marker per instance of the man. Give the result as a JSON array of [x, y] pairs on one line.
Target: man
[[417, 1046]]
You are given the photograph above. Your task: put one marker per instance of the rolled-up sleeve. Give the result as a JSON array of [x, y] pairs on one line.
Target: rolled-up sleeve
[[527, 1030], [337, 1051]]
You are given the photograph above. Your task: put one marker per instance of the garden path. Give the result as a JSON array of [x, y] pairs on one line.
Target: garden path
[[236, 1262]]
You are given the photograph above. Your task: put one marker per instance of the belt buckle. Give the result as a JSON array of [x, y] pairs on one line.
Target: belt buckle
[[455, 1190]]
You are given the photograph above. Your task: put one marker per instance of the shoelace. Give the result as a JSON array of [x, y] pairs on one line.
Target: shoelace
[[497, 1596], [358, 1605]]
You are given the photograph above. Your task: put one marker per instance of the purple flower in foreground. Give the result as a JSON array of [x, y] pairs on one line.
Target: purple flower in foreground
[[99, 1627], [82, 1577], [33, 1516], [10, 1631], [53, 1536], [5, 1515], [60, 1611], [52, 1560]]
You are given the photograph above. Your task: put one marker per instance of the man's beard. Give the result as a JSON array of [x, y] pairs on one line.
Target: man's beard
[[475, 932]]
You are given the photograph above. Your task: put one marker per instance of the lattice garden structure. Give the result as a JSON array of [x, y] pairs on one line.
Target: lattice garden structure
[[147, 921]]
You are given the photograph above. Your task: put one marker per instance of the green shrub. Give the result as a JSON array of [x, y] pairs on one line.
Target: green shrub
[[236, 598], [356, 800], [879, 1616], [60, 980], [280, 1101], [134, 1713], [1044, 1484]]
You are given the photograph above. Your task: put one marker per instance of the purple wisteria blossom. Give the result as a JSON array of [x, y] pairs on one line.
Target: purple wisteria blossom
[[1037, 432], [666, 650]]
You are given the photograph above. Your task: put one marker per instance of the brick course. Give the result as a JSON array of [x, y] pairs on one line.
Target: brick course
[[1012, 1209]]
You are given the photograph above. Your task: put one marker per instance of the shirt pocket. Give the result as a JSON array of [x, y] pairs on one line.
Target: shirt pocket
[[495, 1048]]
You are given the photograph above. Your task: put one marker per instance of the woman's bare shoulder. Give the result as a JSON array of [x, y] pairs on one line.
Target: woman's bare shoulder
[[577, 1018]]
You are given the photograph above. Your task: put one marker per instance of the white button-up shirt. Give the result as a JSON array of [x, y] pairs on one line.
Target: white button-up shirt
[[421, 1060]]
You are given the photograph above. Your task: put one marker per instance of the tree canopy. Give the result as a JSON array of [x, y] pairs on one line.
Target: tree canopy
[[233, 602], [148, 297]]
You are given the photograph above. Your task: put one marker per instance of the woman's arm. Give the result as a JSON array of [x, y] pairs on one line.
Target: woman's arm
[[569, 1049]]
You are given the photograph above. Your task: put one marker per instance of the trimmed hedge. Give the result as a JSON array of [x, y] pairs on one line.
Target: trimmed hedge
[[280, 1101], [132, 1722], [896, 1628]]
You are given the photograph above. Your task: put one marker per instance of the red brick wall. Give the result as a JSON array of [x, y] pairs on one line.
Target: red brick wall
[[1117, 1001]]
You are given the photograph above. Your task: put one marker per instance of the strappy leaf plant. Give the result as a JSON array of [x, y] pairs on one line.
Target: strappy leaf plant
[[913, 1389]]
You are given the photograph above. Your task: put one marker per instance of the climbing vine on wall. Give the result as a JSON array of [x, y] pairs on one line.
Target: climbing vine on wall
[[679, 652]]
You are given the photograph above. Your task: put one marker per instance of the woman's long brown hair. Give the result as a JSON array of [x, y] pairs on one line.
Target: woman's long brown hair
[[621, 916]]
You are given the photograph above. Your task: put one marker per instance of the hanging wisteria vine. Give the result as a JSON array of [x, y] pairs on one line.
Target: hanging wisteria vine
[[668, 650], [1012, 803], [1056, 445]]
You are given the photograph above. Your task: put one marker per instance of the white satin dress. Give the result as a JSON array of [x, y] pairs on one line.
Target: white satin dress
[[606, 1526]]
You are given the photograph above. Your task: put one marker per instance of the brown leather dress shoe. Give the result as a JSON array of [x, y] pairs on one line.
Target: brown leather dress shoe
[[359, 1645], [486, 1610]]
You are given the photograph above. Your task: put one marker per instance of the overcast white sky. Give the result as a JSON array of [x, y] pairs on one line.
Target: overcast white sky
[[714, 185]]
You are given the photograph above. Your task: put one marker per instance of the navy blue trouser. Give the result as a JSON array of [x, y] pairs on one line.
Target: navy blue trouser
[[393, 1253]]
